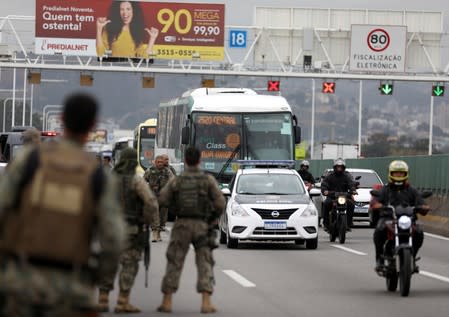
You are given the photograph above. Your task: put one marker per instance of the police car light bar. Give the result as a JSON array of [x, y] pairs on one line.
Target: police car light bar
[[266, 163]]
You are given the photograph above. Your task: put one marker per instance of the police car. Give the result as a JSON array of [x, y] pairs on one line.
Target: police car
[[267, 200]]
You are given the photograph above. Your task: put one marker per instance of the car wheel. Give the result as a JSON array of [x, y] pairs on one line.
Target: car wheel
[[312, 244], [231, 243]]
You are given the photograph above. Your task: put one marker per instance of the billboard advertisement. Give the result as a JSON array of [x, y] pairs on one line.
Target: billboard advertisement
[[378, 48], [135, 29]]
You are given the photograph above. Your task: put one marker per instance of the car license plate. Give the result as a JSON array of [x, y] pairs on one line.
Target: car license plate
[[275, 225], [361, 210]]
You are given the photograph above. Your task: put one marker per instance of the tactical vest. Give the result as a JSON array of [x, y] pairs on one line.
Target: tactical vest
[[157, 179], [54, 218], [192, 198], [131, 202]]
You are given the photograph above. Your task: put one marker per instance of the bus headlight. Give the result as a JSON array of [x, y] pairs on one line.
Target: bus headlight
[[310, 211], [404, 222], [237, 210]]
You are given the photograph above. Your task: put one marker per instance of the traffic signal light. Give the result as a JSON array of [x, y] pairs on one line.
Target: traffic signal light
[[386, 89], [274, 85], [328, 87], [438, 90]]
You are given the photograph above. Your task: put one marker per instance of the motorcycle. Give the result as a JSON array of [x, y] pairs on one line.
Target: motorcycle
[[338, 221], [400, 263]]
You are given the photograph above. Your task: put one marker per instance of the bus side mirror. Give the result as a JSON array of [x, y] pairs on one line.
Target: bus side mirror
[[297, 135], [185, 135]]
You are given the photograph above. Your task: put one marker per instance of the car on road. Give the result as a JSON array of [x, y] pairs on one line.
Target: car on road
[[368, 178], [268, 201]]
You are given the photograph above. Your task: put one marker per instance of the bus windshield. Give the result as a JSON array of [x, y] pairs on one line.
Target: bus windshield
[[267, 136], [146, 146]]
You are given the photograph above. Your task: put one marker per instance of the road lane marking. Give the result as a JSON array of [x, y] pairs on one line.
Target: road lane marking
[[435, 276], [348, 249], [238, 278], [436, 236]]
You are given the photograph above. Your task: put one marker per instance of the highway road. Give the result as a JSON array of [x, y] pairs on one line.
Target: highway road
[[265, 279]]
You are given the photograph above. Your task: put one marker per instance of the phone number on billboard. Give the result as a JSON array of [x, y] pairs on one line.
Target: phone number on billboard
[[174, 52]]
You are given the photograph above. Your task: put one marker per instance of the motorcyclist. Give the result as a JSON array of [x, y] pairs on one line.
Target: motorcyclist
[[339, 180], [397, 192], [303, 171]]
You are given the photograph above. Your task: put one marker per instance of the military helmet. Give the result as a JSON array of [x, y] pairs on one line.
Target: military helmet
[[128, 154], [397, 166]]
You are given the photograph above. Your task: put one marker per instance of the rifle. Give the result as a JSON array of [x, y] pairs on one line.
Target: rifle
[[146, 256]]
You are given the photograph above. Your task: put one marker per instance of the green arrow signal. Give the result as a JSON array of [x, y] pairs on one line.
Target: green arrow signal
[[387, 89], [438, 91]]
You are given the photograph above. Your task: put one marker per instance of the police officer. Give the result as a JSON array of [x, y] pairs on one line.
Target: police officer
[[198, 203], [397, 192], [140, 209], [304, 172], [54, 200], [157, 176], [338, 181]]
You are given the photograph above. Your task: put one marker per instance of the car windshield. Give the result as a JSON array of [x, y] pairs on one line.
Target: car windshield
[[367, 179], [276, 184]]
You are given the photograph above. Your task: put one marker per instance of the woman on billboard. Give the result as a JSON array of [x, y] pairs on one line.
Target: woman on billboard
[[122, 33]]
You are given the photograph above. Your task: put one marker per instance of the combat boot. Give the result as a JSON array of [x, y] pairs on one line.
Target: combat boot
[[123, 305], [166, 304], [103, 302], [155, 236], [206, 305]]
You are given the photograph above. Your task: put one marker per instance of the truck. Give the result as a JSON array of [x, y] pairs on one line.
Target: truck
[[326, 151]]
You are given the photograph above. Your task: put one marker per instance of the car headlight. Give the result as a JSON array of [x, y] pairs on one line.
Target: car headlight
[[310, 211], [341, 200], [404, 222], [237, 210]]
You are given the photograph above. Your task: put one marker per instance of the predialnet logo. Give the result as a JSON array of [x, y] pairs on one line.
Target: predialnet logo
[[70, 46]]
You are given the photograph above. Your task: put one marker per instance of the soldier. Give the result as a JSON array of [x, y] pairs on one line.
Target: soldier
[[57, 208], [157, 176], [31, 136], [134, 195], [198, 202], [167, 163]]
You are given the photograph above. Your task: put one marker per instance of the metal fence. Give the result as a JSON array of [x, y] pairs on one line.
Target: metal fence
[[426, 172]]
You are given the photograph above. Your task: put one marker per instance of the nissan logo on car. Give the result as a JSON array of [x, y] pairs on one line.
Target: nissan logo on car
[[275, 214]]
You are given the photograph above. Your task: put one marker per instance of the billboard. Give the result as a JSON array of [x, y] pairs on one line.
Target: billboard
[[135, 29], [378, 48]]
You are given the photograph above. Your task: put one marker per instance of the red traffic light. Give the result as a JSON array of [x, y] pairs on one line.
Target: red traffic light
[[328, 87], [274, 85]]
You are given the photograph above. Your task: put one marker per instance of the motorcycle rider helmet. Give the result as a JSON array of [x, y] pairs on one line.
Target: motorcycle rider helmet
[[339, 162], [398, 172], [304, 163]]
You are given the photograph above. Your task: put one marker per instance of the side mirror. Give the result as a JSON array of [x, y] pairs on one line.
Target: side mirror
[[185, 133], [314, 192], [297, 135], [358, 177], [226, 191]]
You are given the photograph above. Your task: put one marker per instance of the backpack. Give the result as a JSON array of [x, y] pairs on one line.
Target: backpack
[[54, 217]]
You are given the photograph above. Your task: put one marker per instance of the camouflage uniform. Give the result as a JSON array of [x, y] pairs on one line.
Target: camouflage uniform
[[191, 228], [27, 286], [157, 179], [140, 208]]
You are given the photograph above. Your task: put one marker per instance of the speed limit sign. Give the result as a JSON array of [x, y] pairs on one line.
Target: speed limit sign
[[378, 48], [378, 40]]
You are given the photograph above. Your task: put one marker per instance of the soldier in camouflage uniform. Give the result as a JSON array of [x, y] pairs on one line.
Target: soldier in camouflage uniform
[[157, 176], [49, 242], [198, 203], [167, 164], [140, 209]]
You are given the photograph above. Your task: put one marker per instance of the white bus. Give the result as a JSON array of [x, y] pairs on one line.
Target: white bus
[[145, 144], [225, 122]]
